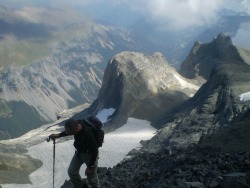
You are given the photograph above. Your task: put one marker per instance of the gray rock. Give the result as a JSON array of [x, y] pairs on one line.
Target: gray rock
[[141, 86]]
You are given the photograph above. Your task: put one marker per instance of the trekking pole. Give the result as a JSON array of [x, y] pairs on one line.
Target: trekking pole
[[54, 151]]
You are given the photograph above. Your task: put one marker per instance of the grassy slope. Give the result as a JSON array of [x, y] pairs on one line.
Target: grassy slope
[[22, 52], [28, 34], [245, 54], [26, 51], [21, 114]]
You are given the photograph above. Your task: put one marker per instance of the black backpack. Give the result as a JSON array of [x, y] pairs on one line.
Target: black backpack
[[97, 125]]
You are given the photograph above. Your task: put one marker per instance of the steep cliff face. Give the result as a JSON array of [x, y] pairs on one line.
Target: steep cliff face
[[141, 86]]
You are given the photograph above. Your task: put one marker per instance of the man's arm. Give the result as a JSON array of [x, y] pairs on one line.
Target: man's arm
[[93, 147], [90, 168], [93, 158], [62, 134]]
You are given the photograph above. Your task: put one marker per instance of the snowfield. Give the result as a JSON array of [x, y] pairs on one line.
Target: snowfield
[[245, 96], [116, 146]]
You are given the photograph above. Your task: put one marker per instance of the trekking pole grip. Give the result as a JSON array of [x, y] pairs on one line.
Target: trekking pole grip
[[48, 139]]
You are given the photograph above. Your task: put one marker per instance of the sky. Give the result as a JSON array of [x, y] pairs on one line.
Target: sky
[[175, 14], [242, 34]]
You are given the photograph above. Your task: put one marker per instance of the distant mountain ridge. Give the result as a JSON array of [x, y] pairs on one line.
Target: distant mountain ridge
[[176, 45], [70, 77]]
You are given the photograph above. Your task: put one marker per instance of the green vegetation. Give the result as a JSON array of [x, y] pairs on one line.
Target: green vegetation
[[22, 52], [23, 119], [30, 51], [5, 111], [245, 54]]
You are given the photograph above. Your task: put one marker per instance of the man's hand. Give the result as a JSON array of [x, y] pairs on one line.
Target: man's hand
[[89, 171], [54, 136]]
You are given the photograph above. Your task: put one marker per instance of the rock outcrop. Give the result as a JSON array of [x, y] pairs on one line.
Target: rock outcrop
[[141, 86], [203, 57]]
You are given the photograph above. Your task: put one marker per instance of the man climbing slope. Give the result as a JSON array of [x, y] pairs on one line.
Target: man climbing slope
[[86, 152]]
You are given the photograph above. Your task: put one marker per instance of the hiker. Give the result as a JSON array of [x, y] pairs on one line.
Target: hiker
[[86, 152]]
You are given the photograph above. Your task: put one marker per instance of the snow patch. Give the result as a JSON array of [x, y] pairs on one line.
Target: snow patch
[[104, 114], [245, 96], [185, 84]]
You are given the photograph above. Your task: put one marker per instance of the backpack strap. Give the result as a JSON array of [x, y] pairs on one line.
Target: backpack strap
[[94, 122]]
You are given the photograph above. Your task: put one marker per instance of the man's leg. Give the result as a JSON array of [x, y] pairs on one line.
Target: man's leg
[[73, 171], [92, 178]]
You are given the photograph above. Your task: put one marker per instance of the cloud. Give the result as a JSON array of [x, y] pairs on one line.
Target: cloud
[[181, 14], [174, 14], [241, 36], [245, 5]]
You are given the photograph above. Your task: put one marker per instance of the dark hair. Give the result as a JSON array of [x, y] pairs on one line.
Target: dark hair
[[71, 124]]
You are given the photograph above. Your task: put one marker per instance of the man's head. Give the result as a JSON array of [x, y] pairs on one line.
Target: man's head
[[71, 126]]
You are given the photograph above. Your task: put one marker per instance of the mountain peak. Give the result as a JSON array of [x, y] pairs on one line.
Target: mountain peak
[[135, 84], [204, 57], [223, 38], [144, 70]]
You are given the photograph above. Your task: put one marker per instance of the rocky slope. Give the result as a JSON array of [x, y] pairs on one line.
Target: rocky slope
[[207, 146], [140, 86]]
